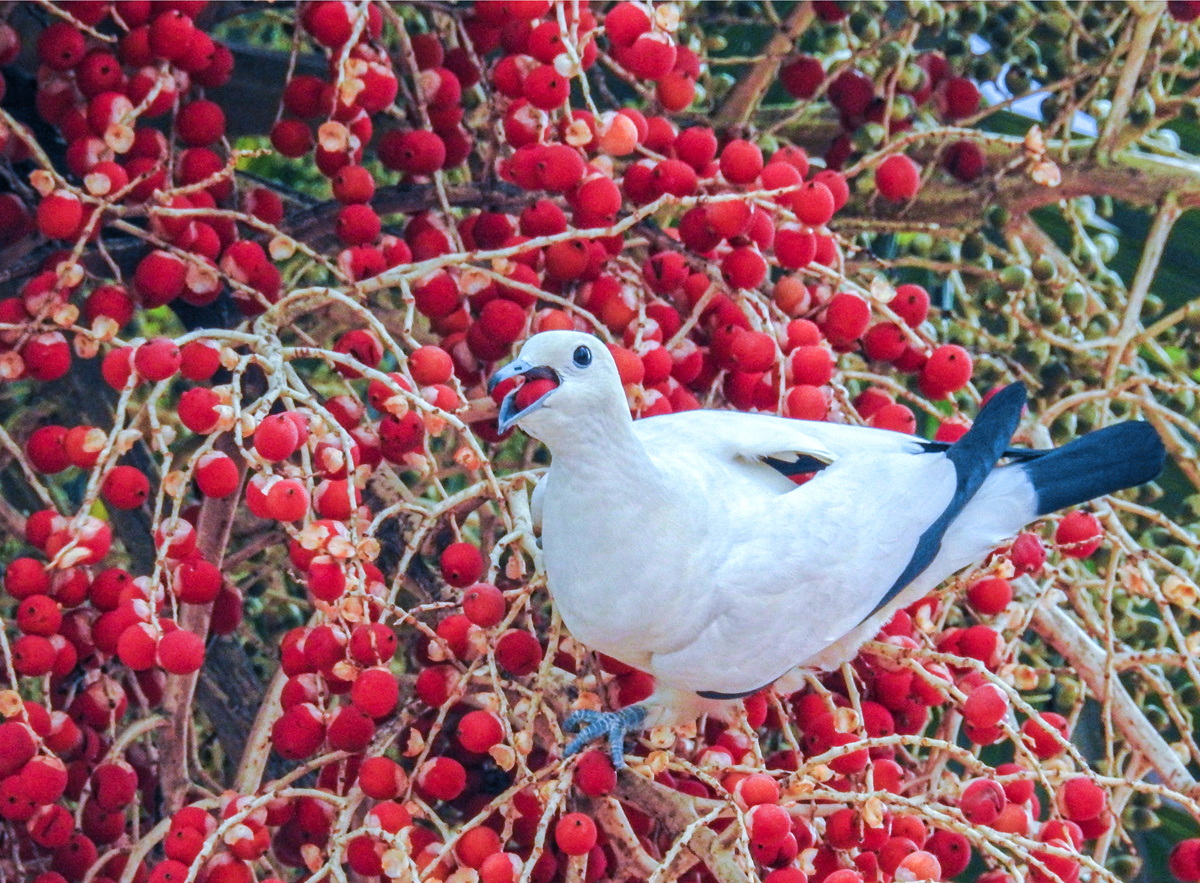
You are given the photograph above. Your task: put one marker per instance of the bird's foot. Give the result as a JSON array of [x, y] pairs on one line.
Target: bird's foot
[[613, 724]]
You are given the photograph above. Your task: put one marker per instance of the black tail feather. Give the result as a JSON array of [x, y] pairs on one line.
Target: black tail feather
[[1099, 463]]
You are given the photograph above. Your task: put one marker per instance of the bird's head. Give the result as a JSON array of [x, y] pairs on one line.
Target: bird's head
[[562, 377]]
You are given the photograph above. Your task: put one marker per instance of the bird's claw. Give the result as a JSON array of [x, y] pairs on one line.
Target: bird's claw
[[614, 724]]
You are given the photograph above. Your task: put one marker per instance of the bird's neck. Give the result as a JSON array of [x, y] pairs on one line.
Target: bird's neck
[[603, 447]]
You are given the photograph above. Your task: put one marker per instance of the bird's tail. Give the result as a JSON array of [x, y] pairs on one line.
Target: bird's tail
[[1099, 463]]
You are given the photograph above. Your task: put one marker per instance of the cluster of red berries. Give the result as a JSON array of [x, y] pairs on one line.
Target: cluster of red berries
[[860, 100], [734, 296]]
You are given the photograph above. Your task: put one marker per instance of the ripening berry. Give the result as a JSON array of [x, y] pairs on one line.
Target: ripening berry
[[741, 162], [1078, 534], [441, 778], [802, 76], [479, 730], [415, 153], [518, 652], [948, 370], [898, 178], [157, 359], [1080, 799], [744, 268], [276, 438], [1027, 553], [462, 564], [896, 417], [125, 487], [484, 605], [59, 215], [961, 98], [287, 500], [846, 318], [990, 596], [200, 123], [381, 778], [594, 774], [575, 834], [813, 204], [911, 304]]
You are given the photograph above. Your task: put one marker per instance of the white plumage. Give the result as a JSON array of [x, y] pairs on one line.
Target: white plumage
[[673, 545]]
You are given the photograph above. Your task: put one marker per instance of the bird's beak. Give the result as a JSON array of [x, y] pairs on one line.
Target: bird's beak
[[509, 412]]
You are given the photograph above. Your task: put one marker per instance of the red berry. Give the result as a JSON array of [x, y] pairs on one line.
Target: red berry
[[217, 475], [962, 98], [575, 834], [125, 487], [594, 774], [1078, 534], [744, 268], [375, 692], [441, 778], [990, 596], [276, 438], [480, 730], [741, 162], [802, 76], [518, 652], [200, 123], [898, 178], [61, 46], [46, 449], [181, 652], [381, 778], [60, 215], [462, 564], [948, 369], [813, 204], [484, 605], [911, 304], [1080, 799]]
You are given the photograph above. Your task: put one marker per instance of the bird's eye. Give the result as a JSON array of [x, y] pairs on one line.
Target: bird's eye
[[582, 357]]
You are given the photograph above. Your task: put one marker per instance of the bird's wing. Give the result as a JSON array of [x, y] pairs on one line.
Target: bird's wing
[[761, 447], [536, 500], [804, 569]]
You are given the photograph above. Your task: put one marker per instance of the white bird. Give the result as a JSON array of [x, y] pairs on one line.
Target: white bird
[[678, 544]]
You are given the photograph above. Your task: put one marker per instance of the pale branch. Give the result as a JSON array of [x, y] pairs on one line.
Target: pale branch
[[677, 811], [1087, 659], [1152, 252], [1135, 177], [1145, 25], [744, 98]]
